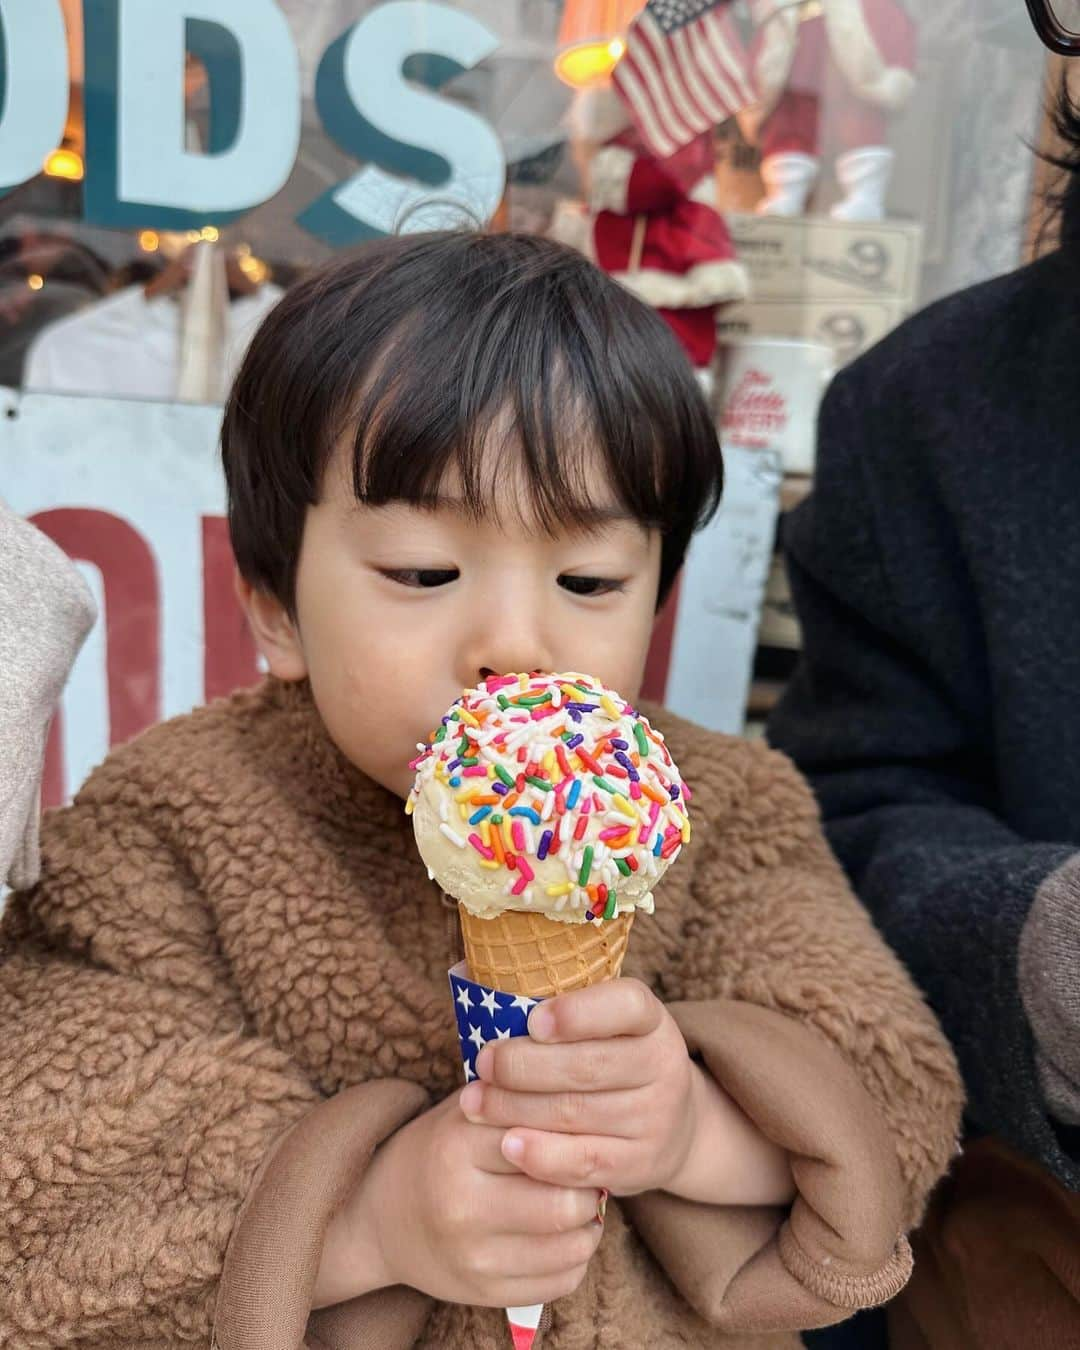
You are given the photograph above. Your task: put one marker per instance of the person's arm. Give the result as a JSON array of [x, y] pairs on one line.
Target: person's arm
[[46, 611], [729, 1161], [890, 716], [810, 1026], [167, 1176]]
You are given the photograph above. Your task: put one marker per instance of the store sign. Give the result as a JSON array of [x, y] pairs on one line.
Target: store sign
[[133, 492], [374, 93]]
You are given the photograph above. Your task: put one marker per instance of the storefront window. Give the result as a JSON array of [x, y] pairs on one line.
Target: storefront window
[[786, 179]]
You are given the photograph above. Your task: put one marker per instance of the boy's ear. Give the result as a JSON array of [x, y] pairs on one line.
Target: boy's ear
[[275, 633]]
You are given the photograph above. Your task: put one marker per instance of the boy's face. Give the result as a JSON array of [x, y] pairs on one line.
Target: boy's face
[[399, 608]]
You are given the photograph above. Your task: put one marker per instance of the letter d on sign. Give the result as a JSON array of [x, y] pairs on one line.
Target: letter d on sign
[[140, 172], [33, 87]]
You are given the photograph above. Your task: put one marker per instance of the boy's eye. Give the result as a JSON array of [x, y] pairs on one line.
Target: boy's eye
[[426, 577], [589, 585]]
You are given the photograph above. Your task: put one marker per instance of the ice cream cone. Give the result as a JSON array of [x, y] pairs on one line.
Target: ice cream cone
[[518, 952], [549, 808]]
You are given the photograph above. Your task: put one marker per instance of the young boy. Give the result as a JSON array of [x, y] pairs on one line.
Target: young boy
[[230, 1101]]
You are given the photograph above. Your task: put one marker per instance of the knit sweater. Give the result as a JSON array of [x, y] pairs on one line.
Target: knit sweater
[[229, 986], [935, 570]]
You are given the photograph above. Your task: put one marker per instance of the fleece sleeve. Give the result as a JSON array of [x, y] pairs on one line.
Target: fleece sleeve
[[896, 751], [148, 1144], [819, 1036]]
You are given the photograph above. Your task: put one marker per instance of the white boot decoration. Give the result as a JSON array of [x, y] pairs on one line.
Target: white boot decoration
[[864, 177], [789, 179]]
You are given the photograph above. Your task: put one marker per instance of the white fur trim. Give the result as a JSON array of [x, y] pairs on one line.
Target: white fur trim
[[704, 191], [609, 178], [779, 36], [893, 90], [713, 283], [860, 60], [596, 114]]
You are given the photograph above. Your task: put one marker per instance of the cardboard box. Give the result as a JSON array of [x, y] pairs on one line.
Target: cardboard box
[[848, 327], [814, 258]]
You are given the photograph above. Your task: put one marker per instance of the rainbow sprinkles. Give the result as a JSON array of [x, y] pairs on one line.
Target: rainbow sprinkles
[[551, 793]]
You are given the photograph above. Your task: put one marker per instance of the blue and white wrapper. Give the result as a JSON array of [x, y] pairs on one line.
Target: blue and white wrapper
[[485, 1015]]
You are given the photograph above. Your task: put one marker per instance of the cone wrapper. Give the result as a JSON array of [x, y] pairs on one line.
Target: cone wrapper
[[523, 1324], [485, 1014]]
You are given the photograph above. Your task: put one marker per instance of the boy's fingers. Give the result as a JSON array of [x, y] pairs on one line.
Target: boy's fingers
[[521, 1291], [485, 1150], [536, 1257], [589, 1160], [614, 1008], [535, 1207], [533, 1258], [521, 1065], [615, 1113]]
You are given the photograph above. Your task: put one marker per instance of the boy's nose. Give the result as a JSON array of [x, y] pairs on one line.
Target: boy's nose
[[510, 645]]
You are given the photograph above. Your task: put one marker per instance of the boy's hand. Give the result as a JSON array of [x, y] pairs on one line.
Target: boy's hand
[[441, 1209], [600, 1093]]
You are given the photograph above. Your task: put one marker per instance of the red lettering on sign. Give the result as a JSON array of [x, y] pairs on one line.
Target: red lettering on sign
[[230, 656], [658, 661], [132, 623]]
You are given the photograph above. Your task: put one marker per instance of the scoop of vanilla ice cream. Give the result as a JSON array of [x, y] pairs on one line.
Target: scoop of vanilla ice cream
[[548, 793]]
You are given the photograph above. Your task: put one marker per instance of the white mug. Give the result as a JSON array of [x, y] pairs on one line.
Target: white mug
[[769, 392]]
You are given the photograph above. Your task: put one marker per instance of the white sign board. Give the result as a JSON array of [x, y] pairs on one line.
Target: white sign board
[[720, 595]]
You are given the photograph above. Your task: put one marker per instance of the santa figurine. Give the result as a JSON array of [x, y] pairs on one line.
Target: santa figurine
[[851, 60], [652, 224]]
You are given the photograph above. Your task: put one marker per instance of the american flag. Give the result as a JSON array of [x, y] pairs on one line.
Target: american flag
[[685, 69], [485, 1015]]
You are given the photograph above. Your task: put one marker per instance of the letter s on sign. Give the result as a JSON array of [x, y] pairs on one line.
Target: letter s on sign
[[367, 104]]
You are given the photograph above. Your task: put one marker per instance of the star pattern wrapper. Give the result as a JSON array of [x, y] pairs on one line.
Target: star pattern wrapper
[[485, 1015]]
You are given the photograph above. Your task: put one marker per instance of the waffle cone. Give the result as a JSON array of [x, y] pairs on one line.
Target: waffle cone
[[519, 952]]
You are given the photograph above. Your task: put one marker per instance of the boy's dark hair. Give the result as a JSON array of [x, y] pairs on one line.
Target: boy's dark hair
[[417, 347]]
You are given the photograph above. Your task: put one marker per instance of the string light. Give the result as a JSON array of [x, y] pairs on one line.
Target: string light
[[592, 39], [253, 268], [149, 241], [61, 163], [35, 282]]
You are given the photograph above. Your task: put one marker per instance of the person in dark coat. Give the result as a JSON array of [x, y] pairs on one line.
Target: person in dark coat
[[936, 573]]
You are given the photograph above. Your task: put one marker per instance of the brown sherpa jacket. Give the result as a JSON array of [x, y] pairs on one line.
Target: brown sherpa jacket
[[230, 985]]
